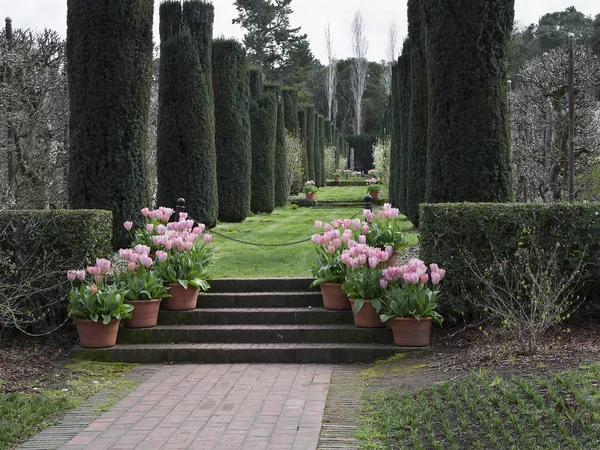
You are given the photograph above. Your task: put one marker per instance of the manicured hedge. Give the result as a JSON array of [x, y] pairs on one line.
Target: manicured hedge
[[232, 129], [394, 189], [255, 81], [449, 231], [109, 48], [363, 150], [290, 113], [310, 142], [319, 149], [281, 161], [302, 129], [402, 111], [263, 116], [38, 247]]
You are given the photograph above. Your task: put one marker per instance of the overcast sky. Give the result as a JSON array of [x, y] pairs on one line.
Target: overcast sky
[[311, 15]]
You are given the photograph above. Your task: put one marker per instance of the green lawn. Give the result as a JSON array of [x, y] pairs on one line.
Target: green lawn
[[236, 260], [329, 193], [481, 411], [24, 414]]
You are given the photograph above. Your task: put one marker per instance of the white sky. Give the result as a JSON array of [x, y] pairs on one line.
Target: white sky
[[311, 15]]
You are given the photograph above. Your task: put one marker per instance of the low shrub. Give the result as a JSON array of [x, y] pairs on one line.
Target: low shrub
[[469, 238], [36, 250]]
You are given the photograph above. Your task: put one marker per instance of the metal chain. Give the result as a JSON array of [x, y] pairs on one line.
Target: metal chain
[[302, 241]]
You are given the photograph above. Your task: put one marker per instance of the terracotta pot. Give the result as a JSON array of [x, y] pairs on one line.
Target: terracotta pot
[[96, 334], [374, 195], [311, 196], [392, 259], [181, 299], [410, 332], [367, 317], [336, 179], [144, 314], [333, 297]]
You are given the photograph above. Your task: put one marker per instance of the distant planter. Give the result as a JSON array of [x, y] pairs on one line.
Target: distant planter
[[311, 195], [374, 194]]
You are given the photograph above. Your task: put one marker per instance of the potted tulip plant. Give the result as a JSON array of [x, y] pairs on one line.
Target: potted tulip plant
[[383, 230], [329, 271], [373, 173], [363, 282], [97, 305], [145, 288], [184, 268], [373, 188], [347, 173], [336, 176], [310, 190], [411, 302]]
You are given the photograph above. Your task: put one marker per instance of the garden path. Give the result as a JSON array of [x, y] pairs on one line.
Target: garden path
[[216, 406]]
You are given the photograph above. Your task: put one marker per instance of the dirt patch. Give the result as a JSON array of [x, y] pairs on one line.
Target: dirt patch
[[27, 365], [457, 353]]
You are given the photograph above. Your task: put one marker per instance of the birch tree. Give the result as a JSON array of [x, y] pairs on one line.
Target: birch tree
[[331, 76], [392, 52], [360, 47]]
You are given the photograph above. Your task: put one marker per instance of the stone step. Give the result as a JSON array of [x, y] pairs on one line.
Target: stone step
[[260, 299], [255, 334], [255, 316], [240, 353], [230, 285]]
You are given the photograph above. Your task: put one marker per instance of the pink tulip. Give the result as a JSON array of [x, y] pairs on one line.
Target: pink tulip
[[98, 278], [80, 274], [145, 260], [207, 238], [383, 283], [182, 216], [389, 250], [318, 224], [94, 288], [433, 267], [356, 224], [424, 278], [316, 239], [337, 222], [365, 228], [336, 243], [103, 265], [331, 249], [131, 266], [345, 258], [381, 214], [435, 278], [145, 212], [71, 275], [442, 273], [345, 237], [362, 259], [188, 245], [93, 270], [149, 228], [160, 229], [168, 212], [351, 243], [128, 225], [362, 239], [161, 256], [353, 263], [169, 244], [189, 223], [366, 212], [134, 257], [373, 261], [384, 256], [328, 227], [347, 223]]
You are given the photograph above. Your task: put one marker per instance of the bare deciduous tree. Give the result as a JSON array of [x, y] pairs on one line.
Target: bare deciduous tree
[[360, 47], [331, 76], [392, 53], [539, 124]]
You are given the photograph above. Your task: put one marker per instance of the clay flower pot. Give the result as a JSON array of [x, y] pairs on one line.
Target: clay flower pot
[[181, 299], [333, 297], [410, 332], [336, 180], [310, 196], [96, 334], [367, 317], [144, 314], [392, 259], [374, 194]]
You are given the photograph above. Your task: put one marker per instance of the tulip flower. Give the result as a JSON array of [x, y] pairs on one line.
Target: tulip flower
[[331, 249], [433, 267], [182, 216], [80, 274], [94, 288], [145, 212], [161, 256], [131, 266], [149, 228], [373, 261], [362, 239], [435, 278], [318, 224], [128, 225], [383, 283], [98, 278], [424, 278], [71, 275], [207, 238], [145, 260]]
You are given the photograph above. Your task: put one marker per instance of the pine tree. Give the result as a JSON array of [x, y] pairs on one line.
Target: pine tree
[[232, 129], [468, 151]]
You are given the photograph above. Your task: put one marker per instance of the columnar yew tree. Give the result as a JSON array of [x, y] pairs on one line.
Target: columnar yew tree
[[394, 188], [402, 111], [263, 116], [468, 150], [290, 113], [322, 145], [186, 157], [232, 129], [281, 160], [109, 48], [302, 129], [318, 150], [255, 82], [416, 159], [310, 141]]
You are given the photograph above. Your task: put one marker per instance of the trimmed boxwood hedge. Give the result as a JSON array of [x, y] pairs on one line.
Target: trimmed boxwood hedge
[[263, 116], [451, 230], [281, 161], [38, 247]]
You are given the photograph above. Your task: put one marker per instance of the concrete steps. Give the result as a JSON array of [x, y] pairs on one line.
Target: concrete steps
[[251, 320]]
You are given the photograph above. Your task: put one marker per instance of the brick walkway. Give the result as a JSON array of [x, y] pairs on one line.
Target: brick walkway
[[216, 406]]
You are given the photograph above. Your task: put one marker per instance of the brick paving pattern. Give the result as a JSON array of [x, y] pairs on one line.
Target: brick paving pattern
[[216, 406]]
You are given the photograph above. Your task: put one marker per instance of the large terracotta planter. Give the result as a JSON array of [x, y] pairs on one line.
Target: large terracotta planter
[[393, 259], [333, 297], [367, 317], [311, 196], [410, 332], [374, 194], [96, 334], [181, 299], [336, 180], [144, 314]]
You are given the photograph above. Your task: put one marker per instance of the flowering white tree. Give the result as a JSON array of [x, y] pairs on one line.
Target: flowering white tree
[[331, 82], [360, 47], [392, 54]]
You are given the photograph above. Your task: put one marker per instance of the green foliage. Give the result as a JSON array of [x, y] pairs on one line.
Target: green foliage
[[109, 81], [411, 300], [186, 155], [303, 130], [106, 303], [142, 284], [468, 148], [187, 267], [402, 110], [362, 283], [281, 157], [311, 127], [319, 150], [37, 248], [328, 268], [416, 159], [232, 129], [363, 150], [387, 231], [263, 116], [255, 82], [291, 112], [456, 236]]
